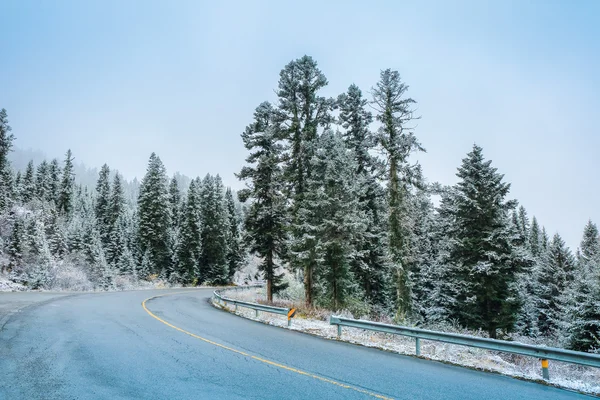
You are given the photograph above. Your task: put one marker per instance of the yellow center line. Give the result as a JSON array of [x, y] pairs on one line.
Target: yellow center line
[[272, 363]]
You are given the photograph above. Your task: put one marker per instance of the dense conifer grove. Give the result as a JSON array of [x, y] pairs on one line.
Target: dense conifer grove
[[334, 199]]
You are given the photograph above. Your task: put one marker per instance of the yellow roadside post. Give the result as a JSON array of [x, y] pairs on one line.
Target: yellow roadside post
[[290, 315]]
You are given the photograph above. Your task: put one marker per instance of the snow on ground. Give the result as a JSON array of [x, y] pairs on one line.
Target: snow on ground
[[569, 376], [9, 286]]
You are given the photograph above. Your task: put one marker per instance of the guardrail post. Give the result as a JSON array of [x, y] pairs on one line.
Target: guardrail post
[[256, 313], [235, 309], [289, 322], [339, 335], [418, 345], [545, 373]]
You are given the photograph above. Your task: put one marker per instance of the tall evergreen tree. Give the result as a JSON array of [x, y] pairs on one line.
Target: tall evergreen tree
[[396, 137], [117, 227], [42, 181], [16, 244], [235, 255], [535, 243], [54, 180], [175, 202], [29, 190], [190, 246], [215, 230], [301, 114], [155, 217], [555, 275], [482, 251], [103, 204], [372, 268], [266, 217], [336, 221], [67, 187], [582, 311]]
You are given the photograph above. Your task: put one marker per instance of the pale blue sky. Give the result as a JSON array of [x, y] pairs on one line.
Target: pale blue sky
[[116, 80]]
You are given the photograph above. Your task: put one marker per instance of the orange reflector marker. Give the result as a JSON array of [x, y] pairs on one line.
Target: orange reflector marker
[[544, 363], [291, 313]]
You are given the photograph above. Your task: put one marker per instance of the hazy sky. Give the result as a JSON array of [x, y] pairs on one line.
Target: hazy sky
[[116, 80]]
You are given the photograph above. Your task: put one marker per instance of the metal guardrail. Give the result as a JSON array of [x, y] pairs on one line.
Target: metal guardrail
[[255, 306], [543, 353]]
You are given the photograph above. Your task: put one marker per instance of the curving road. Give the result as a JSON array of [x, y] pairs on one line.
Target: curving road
[[108, 346]]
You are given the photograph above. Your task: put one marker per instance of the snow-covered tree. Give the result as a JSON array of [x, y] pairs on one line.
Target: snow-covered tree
[[102, 207], [42, 181], [266, 217], [371, 268], [301, 114], [53, 181], [337, 222], [582, 305], [554, 276], [398, 141], [215, 230], [175, 202], [486, 264], [155, 217], [235, 255], [28, 187], [190, 245], [65, 199]]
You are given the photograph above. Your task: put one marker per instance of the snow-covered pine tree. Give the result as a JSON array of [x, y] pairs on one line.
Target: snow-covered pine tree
[[582, 311], [15, 245], [55, 233], [524, 227], [175, 205], [155, 217], [397, 139], [175, 202], [190, 246], [6, 143], [28, 191], [102, 207], [332, 208], [118, 227], [535, 244], [440, 301], [103, 274], [424, 253], [235, 255], [545, 240], [555, 274], [215, 229], [117, 203], [301, 114], [18, 188], [266, 216], [67, 186], [372, 269], [39, 261], [526, 322], [482, 251], [53, 181], [42, 181]]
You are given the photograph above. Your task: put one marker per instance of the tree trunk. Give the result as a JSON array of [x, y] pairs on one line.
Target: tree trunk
[[270, 290], [308, 270], [269, 273]]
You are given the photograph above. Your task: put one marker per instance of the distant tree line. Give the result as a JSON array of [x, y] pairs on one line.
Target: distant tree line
[[55, 233], [333, 196]]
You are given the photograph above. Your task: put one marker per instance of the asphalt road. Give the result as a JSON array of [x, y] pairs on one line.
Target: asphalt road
[[108, 346]]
